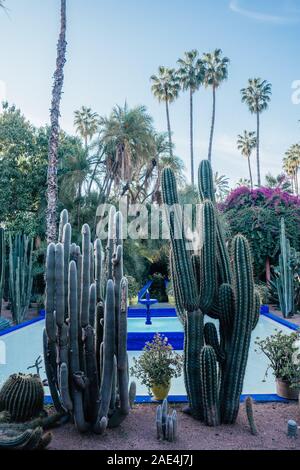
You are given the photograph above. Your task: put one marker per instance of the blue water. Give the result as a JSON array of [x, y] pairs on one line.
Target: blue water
[[19, 350]]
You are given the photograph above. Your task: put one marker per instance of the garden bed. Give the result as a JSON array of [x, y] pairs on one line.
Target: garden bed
[[138, 432]]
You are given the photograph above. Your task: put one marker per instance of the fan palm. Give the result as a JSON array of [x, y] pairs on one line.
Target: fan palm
[[54, 128], [128, 138], [191, 75], [257, 95], [215, 72], [221, 183], [291, 165], [165, 87], [246, 143], [86, 123], [278, 182]]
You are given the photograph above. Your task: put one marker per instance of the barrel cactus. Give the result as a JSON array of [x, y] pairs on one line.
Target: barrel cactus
[[85, 339], [207, 283], [22, 396]]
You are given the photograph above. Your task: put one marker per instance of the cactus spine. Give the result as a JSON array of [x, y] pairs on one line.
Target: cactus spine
[[20, 275], [85, 340], [206, 284], [285, 281]]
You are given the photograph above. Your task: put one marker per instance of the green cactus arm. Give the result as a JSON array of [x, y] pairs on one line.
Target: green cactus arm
[[182, 258], [236, 361], [209, 386]]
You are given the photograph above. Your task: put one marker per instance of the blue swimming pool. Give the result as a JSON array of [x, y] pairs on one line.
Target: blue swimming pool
[[19, 348]]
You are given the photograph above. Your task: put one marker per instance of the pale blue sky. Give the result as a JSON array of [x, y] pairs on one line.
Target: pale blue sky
[[115, 45]]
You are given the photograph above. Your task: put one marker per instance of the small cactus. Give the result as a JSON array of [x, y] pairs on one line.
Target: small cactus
[[250, 416], [292, 429], [166, 425]]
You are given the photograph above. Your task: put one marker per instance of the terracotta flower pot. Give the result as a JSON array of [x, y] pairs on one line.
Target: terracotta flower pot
[[284, 390], [160, 392]]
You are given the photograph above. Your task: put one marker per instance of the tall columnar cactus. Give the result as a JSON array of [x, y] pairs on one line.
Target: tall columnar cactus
[[85, 340], [206, 283], [2, 265], [285, 280], [20, 275]]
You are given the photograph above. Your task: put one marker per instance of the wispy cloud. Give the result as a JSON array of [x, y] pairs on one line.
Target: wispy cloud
[[287, 17]]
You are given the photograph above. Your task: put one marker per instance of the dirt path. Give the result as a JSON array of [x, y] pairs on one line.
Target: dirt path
[[138, 432]]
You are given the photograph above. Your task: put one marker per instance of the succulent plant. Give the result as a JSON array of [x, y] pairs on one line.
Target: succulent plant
[[292, 429], [85, 340], [22, 396], [20, 275], [166, 425], [250, 416], [207, 283]]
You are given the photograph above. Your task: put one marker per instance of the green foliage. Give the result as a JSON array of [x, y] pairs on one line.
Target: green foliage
[[158, 288], [256, 215], [283, 352], [133, 287], [157, 364], [263, 291]]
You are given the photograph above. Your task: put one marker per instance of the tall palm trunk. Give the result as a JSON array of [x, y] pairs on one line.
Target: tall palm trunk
[[169, 128], [212, 124], [54, 129], [192, 136], [257, 149], [250, 171]]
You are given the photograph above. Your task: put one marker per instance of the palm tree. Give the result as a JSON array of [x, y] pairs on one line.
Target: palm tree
[[257, 95], [221, 183], [165, 87], [216, 71], [279, 182], [246, 143], [86, 123], [127, 135], [291, 165], [191, 74], [54, 129], [75, 174]]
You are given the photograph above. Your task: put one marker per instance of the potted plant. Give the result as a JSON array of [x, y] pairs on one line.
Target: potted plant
[[283, 352], [157, 365]]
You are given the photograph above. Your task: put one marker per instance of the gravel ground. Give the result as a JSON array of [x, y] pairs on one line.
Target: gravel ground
[[138, 432]]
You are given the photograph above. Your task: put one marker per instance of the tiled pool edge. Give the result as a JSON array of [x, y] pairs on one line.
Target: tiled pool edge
[[282, 321], [258, 398]]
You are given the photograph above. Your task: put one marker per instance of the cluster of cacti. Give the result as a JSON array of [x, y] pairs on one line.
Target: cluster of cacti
[[22, 396], [22, 416], [207, 282], [285, 280], [250, 415], [2, 265], [20, 275], [85, 340], [166, 425]]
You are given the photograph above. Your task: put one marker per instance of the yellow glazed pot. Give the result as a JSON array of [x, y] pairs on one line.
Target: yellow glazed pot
[[160, 392]]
